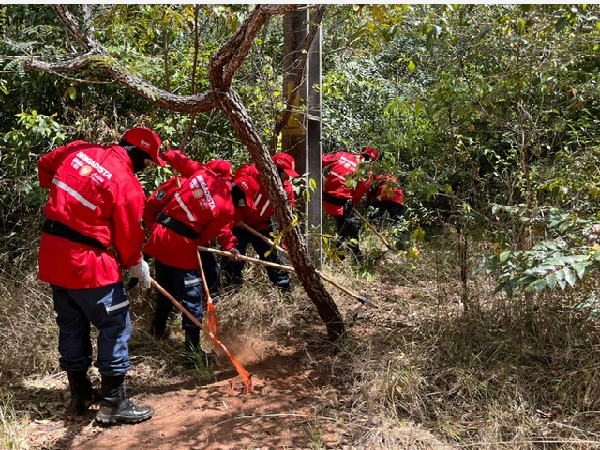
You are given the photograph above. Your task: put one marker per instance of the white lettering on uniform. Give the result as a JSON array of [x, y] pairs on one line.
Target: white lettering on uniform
[[207, 194], [344, 160], [96, 165]]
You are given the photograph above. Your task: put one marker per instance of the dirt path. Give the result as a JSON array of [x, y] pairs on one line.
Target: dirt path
[[279, 413], [304, 397]]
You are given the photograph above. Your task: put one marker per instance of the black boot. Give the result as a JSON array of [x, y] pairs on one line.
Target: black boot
[[159, 328], [82, 393], [194, 353], [115, 407]]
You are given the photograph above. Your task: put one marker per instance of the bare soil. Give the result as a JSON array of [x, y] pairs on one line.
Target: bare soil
[[301, 397], [191, 414]]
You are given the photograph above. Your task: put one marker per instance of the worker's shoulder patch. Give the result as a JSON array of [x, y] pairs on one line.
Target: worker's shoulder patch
[[160, 194]]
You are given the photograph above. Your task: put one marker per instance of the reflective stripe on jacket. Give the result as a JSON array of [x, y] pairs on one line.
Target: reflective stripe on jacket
[[94, 191], [203, 203]]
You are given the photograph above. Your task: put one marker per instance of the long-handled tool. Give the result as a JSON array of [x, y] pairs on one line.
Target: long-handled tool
[[248, 228], [372, 228], [243, 373], [211, 313], [360, 298]]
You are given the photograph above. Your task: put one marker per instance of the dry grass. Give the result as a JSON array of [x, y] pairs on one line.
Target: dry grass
[[417, 372]]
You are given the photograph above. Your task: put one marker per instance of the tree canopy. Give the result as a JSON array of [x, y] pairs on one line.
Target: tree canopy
[[487, 113]]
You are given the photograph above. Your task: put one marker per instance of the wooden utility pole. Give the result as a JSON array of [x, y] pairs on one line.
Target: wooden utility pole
[[301, 136]]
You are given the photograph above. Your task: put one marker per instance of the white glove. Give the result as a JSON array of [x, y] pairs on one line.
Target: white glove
[[141, 271]]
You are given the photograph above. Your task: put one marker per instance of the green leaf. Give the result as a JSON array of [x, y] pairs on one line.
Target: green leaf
[[561, 23], [540, 270], [580, 269], [569, 275], [411, 66], [538, 286], [526, 280], [551, 281], [504, 256]]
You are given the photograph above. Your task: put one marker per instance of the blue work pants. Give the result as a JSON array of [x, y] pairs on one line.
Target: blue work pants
[[107, 308], [185, 285]]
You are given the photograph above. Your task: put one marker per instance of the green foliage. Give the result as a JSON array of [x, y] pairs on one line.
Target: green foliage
[[559, 261], [471, 105]]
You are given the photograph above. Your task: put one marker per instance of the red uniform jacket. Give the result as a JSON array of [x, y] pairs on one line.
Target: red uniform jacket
[[159, 199], [385, 187], [94, 191], [258, 217], [203, 203], [342, 165]]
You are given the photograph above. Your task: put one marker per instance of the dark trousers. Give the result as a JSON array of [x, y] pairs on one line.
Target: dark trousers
[[186, 287], [233, 269], [394, 210], [348, 227], [212, 273], [107, 308], [396, 217]]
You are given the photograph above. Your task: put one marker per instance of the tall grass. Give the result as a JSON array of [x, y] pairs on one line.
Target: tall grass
[[419, 369], [13, 433]]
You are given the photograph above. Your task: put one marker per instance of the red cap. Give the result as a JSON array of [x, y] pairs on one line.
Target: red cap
[[286, 162], [373, 154], [146, 140], [248, 185], [221, 168]]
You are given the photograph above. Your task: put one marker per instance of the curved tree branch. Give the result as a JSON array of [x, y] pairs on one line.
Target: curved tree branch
[[312, 283], [182, 103], [221, 71], [228, 59]]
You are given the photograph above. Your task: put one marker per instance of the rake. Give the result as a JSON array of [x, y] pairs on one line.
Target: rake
[[211, 313], [242, 372]]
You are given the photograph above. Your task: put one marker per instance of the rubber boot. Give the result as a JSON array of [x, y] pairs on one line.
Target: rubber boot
[[115, 407], [194, 353], [82, 393]]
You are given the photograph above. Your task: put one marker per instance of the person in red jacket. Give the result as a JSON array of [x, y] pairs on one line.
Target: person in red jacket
[[257, 215], [198, 211], [339, 197], [159, 199], [92, 231], [384, 196]]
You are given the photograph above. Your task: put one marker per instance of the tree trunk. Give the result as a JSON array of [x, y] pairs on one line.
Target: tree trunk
[[220, 73], [241, 122]]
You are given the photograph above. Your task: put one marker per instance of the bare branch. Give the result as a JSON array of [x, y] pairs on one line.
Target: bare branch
[[181, 103], [71, 23], [229, 58]]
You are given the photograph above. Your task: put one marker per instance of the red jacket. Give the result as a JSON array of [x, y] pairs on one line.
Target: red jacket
[[385, 187], [259, 216], [159, 199], [203, 203], [342, 165], [94, 191]]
